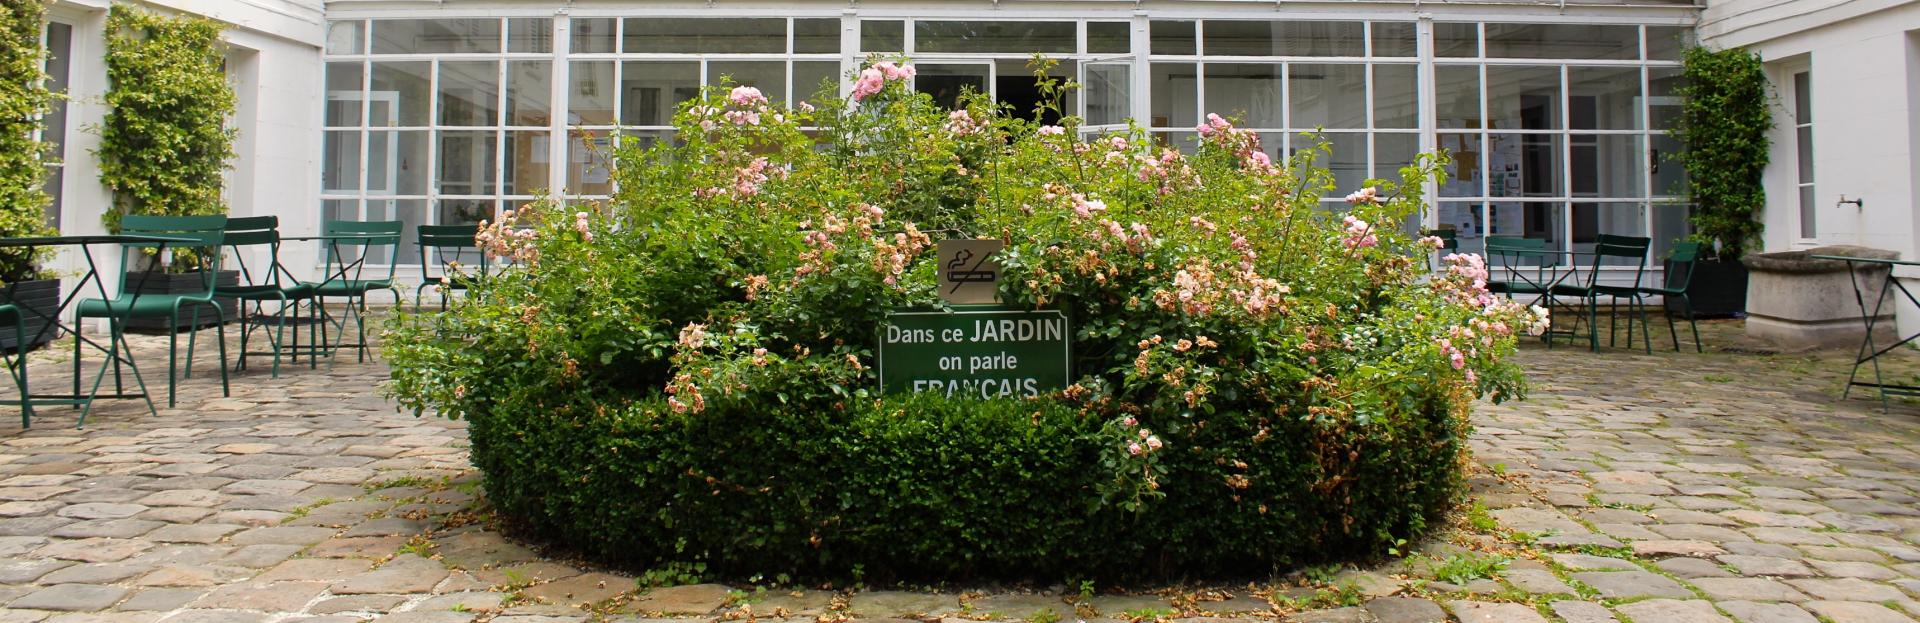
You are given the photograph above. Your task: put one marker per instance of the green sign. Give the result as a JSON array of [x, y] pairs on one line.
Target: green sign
[[982, 352]]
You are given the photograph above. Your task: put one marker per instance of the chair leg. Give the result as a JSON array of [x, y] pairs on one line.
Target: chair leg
[[1646, 338], [1688, 301], [77, 341], [1672, 330], [220, 336], [1593, 323], [193, 334], [173, 361], [246, 322], [279, 337]]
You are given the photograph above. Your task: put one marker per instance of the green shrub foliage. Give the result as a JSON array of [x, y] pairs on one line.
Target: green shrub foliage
[[164, 144], [684, 374], [1724, 123], [23, 101]]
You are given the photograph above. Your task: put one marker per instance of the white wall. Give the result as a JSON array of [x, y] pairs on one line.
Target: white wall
[[1865, 92]]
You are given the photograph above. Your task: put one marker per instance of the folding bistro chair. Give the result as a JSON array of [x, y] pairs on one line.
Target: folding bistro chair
[[347, 277], [1631, 249], [441, 247], [1517, 278], [199, 235], [261, 283], [1679, 274]]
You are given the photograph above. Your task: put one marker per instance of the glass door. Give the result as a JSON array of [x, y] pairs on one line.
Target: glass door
[[946, 81]]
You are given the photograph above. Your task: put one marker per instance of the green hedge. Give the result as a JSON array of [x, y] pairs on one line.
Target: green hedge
[[926, 488]]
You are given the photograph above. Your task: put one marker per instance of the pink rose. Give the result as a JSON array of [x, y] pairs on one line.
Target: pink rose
[[869, 83], [744, 96]]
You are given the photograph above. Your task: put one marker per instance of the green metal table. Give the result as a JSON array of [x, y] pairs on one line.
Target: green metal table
[[117, 350], [1868, 353]]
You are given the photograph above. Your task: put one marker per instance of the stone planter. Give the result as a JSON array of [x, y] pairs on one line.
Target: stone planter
[[40, 294], [159, 282], [1798, 302]]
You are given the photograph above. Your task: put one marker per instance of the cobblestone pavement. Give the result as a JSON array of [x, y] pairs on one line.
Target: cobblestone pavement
[[1652, 489]]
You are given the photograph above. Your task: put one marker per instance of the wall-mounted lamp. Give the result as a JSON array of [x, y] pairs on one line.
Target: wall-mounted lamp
[[1858, 203]]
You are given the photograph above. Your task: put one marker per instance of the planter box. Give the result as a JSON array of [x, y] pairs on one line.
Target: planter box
[[1718, 290], [39, 294], [1799, 302], [178, 283]]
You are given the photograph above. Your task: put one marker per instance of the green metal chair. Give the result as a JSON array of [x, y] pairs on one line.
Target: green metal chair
[[1629, 249], [1517, 277], [261, 283], [199, 235], [441, 247], [1679, 274], [16, 361], [350, 281]]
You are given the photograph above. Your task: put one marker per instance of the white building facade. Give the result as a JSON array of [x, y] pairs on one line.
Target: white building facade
[[447, 111]]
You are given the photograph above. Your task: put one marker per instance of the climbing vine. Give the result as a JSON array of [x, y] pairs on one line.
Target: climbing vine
[[1724, 123], [164, 144], [24, 100]]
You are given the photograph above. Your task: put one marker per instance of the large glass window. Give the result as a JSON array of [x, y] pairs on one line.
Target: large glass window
[[994, 36]]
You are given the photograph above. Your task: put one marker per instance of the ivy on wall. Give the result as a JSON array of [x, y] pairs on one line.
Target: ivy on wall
[[1724, 122], [165, 144], [24, 101]]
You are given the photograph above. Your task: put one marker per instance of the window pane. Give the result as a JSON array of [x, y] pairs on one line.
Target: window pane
[[995, 36], [816, 36], [1108, 89], [340, 162], [1524, 98], [1803, 146], [1669, 177], [1465, 177], [530, 34], [469, 92], [529, 160], [396, 162], [1396, 99], [1809, 226], [1249, 92], [1670, 225], [588, 154], [1468, 222], [946, 82], [1580, 41], [406, 86], [651, 91], [704, 36], [1540, 221], [1664, 43], [1170, 37], [1618, 219], [768, 76], [466, 162], [1348, 162], [1803, 97], [592, 35], [811, 77], [412, 213], [529, 91], [1457, 87], [1524, 165], [1456, 40], [591, 94], [348, 37], [1607, 165], [1175, 95], [883, 35], [1109, 38], [1329, 96], [1603, 98], [343, 93], [340, 210], [1664, 105], [1391, 151], [1394, 39], [1285, 38], [423, 36]]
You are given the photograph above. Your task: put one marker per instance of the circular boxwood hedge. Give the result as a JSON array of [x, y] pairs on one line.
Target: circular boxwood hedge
[[684, 376]]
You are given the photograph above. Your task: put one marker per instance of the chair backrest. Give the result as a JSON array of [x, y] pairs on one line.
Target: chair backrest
[[1632, 248], [255, 231], [371, 235], [1680, 264], [197, 239], [443, 245]]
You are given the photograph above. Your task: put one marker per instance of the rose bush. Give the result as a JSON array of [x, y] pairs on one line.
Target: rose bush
[[684, 374]]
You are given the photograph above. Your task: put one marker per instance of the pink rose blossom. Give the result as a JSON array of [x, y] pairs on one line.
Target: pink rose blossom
[[744, 96], [869, 83]]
